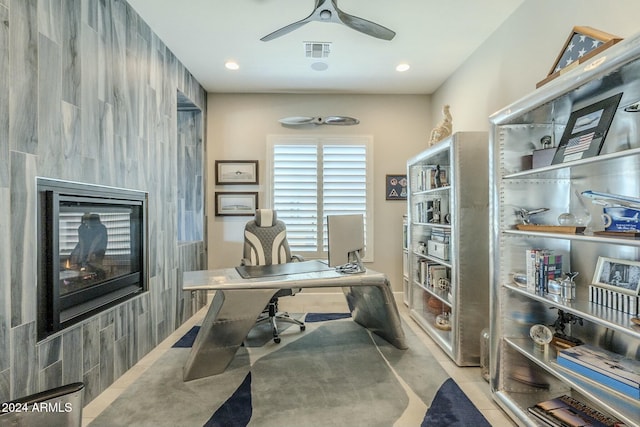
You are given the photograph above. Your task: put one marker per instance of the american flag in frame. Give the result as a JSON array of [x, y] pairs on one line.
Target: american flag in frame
[[583, 43], [586, 130]]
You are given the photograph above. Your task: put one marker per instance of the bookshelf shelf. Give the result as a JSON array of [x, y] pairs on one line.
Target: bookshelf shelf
[[608, 399], [610, 319]]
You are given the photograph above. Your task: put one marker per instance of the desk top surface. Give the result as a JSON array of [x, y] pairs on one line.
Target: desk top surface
[[261, 271], [229, 278]]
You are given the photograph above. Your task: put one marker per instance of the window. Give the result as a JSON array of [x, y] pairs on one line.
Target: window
[[312, 177]]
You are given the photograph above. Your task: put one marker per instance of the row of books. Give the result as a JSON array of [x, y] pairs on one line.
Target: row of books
[[432, 211], [614, 300], [426, 178], [543, 265], [604, 367], [566, 411], [430, 273]]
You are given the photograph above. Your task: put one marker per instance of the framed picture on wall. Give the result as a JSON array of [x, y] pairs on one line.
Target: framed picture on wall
[[396, 187], [236, 204], [234, 172]]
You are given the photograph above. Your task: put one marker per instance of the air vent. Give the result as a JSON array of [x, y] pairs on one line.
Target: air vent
[[317, 49]]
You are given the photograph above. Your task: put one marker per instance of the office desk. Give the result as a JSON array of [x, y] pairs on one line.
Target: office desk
[[238, 302]]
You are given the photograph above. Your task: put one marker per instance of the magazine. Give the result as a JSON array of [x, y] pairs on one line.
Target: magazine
[[565, 411]]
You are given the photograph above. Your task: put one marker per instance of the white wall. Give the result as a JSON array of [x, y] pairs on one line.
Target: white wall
[[238, 125], [521, 52]]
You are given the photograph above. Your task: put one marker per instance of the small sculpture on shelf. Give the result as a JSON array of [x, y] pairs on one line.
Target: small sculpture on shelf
[[560, 338], [525, 215], [444, 129]]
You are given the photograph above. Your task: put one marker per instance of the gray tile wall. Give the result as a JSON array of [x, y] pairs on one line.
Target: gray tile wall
[[190, 191], [88, 94]]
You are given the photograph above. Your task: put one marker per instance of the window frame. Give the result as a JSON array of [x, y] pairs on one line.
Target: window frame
[[318, 141]]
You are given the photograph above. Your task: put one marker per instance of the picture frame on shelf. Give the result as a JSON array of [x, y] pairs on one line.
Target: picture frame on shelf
[[236, 172], [582, 44], [236, 203], [439, 177], [619, 275], [586, 130], [396, 187]]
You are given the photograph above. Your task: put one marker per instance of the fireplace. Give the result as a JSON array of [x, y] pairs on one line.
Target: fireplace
[[92, 252]]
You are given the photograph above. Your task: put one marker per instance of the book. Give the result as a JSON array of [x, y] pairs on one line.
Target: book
[[441, 235], [550, 269], [611, 369], [565, 411], [533, 267], [614, 300], [543, 265]]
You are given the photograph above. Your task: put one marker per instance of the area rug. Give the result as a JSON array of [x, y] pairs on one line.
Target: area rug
[[335, 373]]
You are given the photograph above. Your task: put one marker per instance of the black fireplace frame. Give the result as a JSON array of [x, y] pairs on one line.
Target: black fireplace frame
[[55, 311]]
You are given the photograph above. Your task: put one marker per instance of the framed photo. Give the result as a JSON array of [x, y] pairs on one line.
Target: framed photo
[[236, 204], [396, 187], [230, 172], [438, 177], [618, 275], [585, 132], [582, 44]]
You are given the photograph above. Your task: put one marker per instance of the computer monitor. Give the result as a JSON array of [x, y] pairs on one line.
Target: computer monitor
[[346, 240]]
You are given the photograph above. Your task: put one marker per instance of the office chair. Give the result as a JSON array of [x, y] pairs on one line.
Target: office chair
[[265, 243]]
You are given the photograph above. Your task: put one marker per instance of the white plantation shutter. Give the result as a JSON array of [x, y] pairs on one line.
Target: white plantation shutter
[[295, 194], [316, 177], [344, 169]]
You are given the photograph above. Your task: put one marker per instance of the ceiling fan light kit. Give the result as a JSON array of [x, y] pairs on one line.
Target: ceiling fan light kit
[[328, 11]]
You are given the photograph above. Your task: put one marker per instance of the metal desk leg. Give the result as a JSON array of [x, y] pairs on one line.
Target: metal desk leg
[[375, 308], [231, 316]]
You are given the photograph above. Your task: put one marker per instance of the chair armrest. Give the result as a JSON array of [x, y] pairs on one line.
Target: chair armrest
[[298, 258]]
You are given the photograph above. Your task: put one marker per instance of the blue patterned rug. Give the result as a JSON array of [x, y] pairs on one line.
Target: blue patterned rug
[[335, 373]]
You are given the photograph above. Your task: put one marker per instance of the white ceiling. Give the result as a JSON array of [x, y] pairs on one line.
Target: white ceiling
[[433, 36]]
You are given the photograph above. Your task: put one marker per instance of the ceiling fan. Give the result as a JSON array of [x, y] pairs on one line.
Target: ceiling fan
[[329, 120], [328, 11]]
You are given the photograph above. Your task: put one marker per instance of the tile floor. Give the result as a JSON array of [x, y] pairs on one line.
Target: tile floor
[[468, 378]]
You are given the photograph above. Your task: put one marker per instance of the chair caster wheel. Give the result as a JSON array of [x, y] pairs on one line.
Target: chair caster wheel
[[277, 340], [303, 327]]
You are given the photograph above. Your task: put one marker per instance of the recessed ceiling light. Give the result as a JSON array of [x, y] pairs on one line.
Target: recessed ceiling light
[[403, 67], [231, 65]]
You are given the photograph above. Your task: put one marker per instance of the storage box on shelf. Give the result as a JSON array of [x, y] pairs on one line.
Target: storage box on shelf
[[448, 243], [521, 374]]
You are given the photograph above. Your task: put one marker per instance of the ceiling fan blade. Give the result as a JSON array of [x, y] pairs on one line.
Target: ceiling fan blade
[[328, 11], [340, 121], [285, 30], [367, 27], [300, 120]]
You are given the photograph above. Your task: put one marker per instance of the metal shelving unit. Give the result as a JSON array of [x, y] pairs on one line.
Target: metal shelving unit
[[521, 375], [405, 260], [464, 196]]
